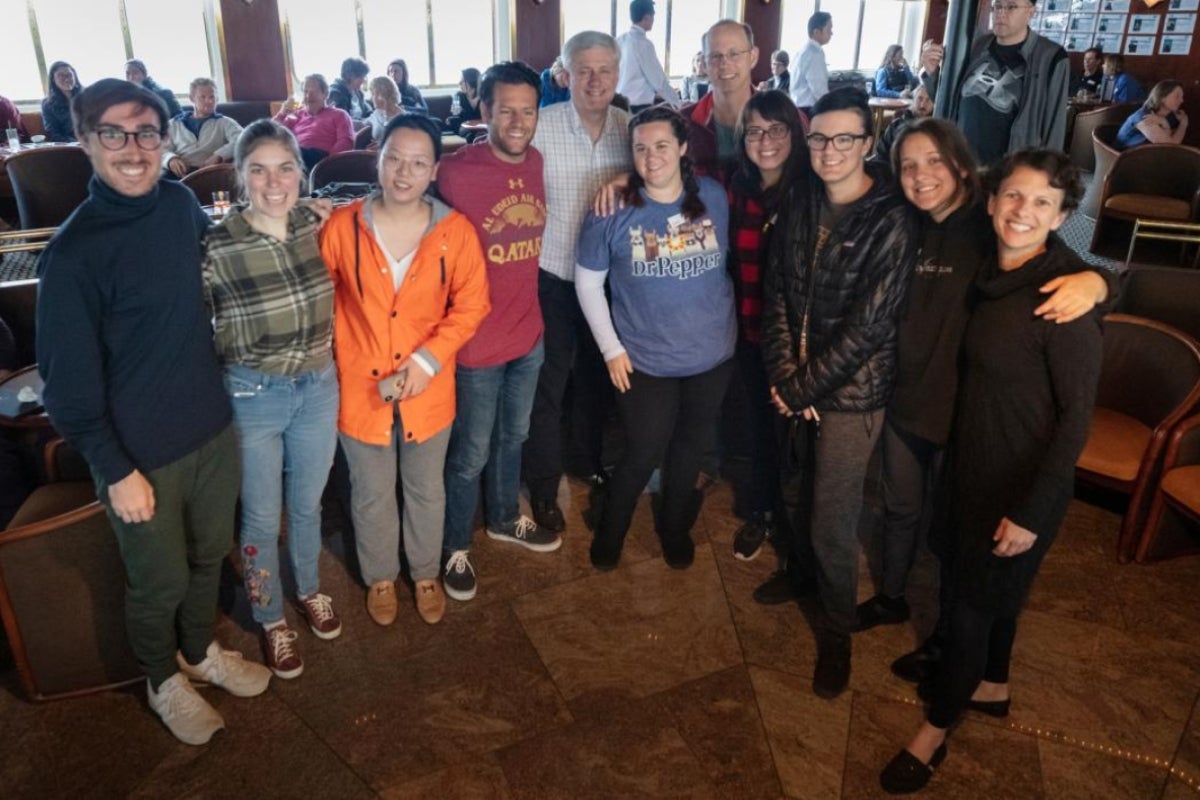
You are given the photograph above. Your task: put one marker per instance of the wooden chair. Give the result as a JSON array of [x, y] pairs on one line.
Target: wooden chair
[[1082, 153], [352, 166], [48, 183], [215, 178], [1104, 154], [1173, 521], [1170, 295], [362, 139], [62, 595], [1149, 381], [1152, 181]]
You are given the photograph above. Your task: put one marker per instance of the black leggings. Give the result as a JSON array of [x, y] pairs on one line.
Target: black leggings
[[672, 421], [979, 649]]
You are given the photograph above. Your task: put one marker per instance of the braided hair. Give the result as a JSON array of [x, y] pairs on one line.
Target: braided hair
[[692, 206]]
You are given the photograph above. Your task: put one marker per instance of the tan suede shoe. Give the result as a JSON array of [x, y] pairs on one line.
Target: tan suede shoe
[[431, 601], [381, 602]]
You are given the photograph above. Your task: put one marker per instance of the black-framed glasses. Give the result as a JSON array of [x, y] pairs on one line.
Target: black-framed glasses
[[841, 141], [717, 59], [114, 138], [774, 132]]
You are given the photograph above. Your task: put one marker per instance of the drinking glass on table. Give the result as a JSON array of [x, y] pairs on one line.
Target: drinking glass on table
[[220, 202], [14, 141]]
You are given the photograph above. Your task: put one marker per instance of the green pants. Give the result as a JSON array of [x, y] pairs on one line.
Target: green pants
[[173, 562]]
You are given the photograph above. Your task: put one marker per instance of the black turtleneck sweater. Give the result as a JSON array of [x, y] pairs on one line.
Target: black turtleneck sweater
[[124, 340]]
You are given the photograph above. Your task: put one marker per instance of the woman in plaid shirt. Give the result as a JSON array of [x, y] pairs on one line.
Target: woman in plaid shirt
[[272, 300]]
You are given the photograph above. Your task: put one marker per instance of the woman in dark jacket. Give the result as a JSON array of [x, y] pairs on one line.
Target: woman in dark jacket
[[410, 96], [56, 107], [1023, 414]]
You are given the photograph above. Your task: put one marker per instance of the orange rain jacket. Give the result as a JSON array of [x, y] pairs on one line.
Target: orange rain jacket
[[443, 299]]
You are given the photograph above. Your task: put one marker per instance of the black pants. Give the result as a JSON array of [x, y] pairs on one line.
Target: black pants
[[750, 422], [571, 353], [312, 156], [672, 421], [979, 648]]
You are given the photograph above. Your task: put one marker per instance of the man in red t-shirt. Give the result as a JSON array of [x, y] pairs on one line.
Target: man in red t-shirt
[[497, 184]]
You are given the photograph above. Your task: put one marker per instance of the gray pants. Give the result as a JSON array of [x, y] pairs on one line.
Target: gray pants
[[843, 449], [373, 504]]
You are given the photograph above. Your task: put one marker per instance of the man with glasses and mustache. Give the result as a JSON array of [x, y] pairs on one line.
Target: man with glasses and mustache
[[839, 262], [132, 381], [1012, 93], [731, 55]]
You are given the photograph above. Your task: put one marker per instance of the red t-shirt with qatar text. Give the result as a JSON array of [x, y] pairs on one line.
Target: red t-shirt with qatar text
[[507, 205]]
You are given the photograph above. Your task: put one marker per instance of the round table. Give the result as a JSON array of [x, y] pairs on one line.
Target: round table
[[880, 106]]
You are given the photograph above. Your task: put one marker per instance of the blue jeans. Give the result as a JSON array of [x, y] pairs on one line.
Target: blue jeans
[[287, 432], [490, 428]]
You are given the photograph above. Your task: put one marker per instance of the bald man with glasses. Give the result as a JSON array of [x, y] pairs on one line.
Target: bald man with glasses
[[1012, 93]]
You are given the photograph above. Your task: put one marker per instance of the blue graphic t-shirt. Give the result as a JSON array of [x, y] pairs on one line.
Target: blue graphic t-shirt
[[672, 298]]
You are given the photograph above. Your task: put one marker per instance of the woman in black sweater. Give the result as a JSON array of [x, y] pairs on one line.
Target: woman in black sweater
[[56, 106], [1023, 412]]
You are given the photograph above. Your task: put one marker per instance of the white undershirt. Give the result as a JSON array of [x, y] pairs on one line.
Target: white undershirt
[[399, 268], [589, 288]]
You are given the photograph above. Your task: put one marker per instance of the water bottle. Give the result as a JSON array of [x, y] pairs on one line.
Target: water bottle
[[455, 106]]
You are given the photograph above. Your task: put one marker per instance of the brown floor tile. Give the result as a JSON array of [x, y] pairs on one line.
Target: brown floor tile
[[1180, 789], [640, 629], [807, 734], [984, 761], [632, 751], [1095, 683], [1071, 773], [718, 718], [482, 779], [265, 751], [1187, 755], [396, 711]]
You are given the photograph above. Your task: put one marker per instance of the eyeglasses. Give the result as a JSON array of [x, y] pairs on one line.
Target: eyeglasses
[[720, 58], [112, 138], [841, 141], [1008, 8], [416, 166], [774, 133]]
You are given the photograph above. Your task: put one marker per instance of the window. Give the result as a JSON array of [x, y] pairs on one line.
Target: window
[[436, 38], [678, 25], [862, 30], [98, 38]]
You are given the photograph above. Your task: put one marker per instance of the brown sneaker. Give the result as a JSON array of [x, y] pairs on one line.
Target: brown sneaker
[[318, 610], [431, 601], [381, 602], [279, 647]]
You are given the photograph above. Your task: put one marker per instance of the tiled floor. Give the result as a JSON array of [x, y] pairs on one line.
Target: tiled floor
[[560, 682]]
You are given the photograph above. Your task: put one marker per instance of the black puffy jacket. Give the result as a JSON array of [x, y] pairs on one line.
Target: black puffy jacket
[[850, 299]]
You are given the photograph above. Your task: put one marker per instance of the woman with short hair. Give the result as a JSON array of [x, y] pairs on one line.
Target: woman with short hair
[[1160, 120]]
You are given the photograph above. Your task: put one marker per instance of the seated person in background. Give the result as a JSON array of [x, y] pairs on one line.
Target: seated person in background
[[1160, 120], [321, 130], [894, 78], [410, 96], [1118, 85], [135, 72], [919, 106], [385, 96], [555, 84], [346, 92], [56, 107], [780, 78], [1093, 72], [467, 100], [11, 118], [201, 137]]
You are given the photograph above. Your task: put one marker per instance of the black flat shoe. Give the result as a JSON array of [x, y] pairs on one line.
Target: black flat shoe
[[905, 773], [918, 665], [880, 610], [993, 708]]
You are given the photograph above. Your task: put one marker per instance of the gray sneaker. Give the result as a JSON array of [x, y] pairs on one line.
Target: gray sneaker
[[459, 578], [185, 713], [227, 669], [527, 533]]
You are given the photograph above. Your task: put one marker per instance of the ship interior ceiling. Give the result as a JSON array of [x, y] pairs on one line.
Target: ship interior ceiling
[[564, 681]]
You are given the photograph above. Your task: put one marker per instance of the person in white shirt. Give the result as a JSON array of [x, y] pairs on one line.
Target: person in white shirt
[[642, 76], [201, 137], [810, 78]]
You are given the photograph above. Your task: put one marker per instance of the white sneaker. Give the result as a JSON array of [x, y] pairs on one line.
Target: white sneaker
[[227, 669], [185, 713]]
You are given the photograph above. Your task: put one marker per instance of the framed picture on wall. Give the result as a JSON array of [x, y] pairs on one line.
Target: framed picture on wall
[[1111, 23], [1110, 42], [1115, 6], [1139, 46], [1184, 5], [1143, 24], [1175, 46], [1085, 6], [1082, 23], [1180, 23]]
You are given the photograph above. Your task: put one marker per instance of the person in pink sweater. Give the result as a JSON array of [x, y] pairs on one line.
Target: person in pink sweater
[[321, 130]]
